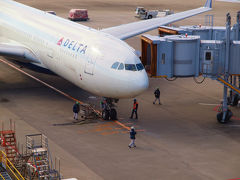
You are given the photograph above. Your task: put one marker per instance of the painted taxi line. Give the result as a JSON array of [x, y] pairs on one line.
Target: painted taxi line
[[108, 128]]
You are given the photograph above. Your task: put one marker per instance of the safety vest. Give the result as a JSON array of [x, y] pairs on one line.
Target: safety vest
[[135, 105]]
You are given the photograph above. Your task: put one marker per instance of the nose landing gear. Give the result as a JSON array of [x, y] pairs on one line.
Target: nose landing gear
[[108, 109]]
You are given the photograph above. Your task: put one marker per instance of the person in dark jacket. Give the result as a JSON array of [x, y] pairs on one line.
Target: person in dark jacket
[[132, 137], [76, 109], [157, 96], [135, 109]]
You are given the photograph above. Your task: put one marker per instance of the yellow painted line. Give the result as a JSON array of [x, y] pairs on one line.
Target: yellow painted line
[[129, 123], [118, 128], [121, 124], [163, 76], [57, 90], [109, 133]]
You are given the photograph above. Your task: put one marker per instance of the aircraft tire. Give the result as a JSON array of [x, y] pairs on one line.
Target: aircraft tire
[[113, 114], [105, 114]]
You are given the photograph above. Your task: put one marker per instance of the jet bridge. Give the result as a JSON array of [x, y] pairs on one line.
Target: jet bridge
[[213, 52]]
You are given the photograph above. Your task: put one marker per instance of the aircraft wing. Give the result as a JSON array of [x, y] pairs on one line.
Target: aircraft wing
[[16, 50], [126, 31]]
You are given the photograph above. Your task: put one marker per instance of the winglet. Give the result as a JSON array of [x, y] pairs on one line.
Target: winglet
[[208, 4]]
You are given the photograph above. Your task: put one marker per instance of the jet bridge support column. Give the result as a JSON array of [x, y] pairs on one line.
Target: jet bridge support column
[[238, 26], [226, 114], [238, 81]]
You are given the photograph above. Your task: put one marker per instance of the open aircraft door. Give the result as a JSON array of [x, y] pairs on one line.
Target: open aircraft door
[[89, 65]]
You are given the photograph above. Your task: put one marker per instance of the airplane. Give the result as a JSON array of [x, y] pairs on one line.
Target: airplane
[[98, 61]]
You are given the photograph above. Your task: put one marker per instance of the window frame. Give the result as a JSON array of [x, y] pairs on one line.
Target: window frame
[[142, 67], [123, 68], [116, 65], [131, 65]]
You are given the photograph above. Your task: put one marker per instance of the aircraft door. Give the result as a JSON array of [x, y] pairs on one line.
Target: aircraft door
[[51, 59], [89, 65]]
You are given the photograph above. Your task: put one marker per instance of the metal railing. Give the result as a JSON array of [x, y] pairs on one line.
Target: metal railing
[[10, 168], [229, 85]]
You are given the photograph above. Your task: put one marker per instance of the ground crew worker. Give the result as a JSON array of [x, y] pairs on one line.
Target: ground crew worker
[[103, 103], [135, 108], [157, 96], [76, 109], [132, 137]]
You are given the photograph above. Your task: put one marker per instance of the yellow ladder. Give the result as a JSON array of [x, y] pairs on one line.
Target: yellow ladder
[[10, 168]]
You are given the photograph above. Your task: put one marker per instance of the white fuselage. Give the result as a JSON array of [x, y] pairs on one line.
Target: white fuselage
[[82, 55]]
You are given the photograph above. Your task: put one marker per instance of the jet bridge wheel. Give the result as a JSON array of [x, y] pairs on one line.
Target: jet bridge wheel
[[227, 118]]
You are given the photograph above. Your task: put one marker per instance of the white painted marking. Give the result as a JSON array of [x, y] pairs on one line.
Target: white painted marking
[[206, 104], [234, 125]]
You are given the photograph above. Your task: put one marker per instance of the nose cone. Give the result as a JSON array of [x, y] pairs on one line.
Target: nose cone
[[138, 84], [127, 84]]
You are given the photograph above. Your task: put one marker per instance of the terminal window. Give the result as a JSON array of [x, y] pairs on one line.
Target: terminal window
[[208, 55]]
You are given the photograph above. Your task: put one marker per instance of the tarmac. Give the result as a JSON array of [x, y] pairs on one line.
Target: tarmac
[[179, 139]]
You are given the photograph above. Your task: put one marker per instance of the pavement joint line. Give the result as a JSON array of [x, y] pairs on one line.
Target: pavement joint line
[[57, 90]]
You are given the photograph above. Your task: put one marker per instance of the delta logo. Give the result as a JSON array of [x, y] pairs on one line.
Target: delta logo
[[72, 45]]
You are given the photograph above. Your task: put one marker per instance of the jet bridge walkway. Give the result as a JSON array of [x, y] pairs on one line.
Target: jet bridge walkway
[[211, 52]]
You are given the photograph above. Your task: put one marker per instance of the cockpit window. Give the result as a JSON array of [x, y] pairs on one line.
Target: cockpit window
[[130, 67], [121, 66], [115, 65], [139, 66]]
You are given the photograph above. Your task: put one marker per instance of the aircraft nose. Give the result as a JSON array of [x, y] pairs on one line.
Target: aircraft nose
[[139, 83]]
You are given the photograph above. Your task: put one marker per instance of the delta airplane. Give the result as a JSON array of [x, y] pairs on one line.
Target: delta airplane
[[98, 61]]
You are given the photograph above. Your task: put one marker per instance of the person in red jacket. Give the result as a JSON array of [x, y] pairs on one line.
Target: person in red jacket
[[135, 109]]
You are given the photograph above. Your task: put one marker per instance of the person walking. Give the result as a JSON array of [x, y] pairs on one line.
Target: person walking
[[76, 109], [157, 96], [132, 137], [135, 109]]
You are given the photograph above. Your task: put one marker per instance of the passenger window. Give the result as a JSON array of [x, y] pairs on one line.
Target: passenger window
[[130, 67], [121, 66], [139, 66], [115, 65]]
